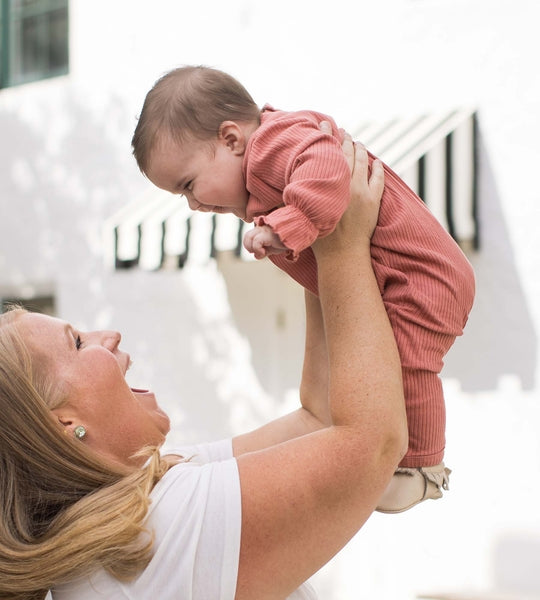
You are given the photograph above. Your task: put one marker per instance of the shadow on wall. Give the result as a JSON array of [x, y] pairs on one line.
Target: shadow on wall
[[183, 357], [188, 351], [63, 172], [268, 309], [499, 339], [63, 169]]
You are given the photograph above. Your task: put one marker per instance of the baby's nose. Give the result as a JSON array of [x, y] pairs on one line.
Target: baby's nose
[[192, 203], [204, 208]]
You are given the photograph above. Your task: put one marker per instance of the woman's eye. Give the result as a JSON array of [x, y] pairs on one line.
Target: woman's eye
[[78, 342]]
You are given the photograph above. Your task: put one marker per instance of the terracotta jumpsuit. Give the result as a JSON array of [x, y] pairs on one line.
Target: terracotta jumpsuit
[[298, 180]]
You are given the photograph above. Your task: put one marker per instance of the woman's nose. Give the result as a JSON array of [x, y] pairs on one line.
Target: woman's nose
[[110, 339]]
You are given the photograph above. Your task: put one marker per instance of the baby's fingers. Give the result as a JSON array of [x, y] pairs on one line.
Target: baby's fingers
[[259, 249]]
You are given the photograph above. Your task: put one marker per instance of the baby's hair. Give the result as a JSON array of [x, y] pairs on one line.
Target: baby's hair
[[190, 103]]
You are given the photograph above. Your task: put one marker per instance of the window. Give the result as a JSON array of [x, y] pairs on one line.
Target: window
[[33, 40]]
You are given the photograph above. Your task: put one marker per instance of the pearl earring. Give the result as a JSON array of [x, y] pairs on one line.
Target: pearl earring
[[79, 432]]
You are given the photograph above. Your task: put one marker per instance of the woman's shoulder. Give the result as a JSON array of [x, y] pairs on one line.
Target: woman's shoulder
[[202, 453], [194, 518], [200, 469]]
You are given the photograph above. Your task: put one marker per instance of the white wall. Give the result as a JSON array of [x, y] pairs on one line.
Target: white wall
[[66, 165]]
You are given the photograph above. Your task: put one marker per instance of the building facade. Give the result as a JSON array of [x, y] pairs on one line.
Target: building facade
[[221, 340]]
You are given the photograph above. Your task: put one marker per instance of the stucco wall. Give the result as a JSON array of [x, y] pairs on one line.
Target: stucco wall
[[214, 350]]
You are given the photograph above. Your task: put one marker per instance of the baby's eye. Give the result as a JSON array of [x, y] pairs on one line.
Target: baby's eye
[[188, 186], [78, 342]]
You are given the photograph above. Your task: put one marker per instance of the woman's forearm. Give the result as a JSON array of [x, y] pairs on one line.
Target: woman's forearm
[[314, 384], [314, 413], [360, 335], [295, 424], [348, 406]]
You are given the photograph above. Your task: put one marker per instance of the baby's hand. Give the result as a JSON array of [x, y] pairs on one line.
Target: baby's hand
[[262, 241]]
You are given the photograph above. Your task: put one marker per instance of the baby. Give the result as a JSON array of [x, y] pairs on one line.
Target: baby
[[200, 134]]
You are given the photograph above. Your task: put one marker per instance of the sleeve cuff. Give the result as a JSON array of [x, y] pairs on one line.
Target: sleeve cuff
[[294, 228]]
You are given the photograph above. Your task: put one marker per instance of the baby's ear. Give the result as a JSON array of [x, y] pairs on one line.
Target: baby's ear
[[233, 136]]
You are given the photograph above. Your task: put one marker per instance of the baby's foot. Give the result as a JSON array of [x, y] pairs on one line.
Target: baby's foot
[[410, 486]]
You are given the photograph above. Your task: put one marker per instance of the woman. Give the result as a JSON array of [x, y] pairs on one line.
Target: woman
[[87, 512]]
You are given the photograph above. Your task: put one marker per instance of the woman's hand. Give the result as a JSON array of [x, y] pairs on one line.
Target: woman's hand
[[366, 188], [360, 218]]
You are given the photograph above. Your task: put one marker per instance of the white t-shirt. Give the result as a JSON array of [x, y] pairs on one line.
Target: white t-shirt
[[195, 514]]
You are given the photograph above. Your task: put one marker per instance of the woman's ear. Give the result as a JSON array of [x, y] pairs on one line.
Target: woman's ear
[[66, 420], [233, 136]]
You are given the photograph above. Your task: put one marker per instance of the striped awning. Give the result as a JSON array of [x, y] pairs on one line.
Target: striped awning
[[435, 154]]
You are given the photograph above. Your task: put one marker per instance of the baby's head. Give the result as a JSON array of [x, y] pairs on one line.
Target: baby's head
[[188, 113]]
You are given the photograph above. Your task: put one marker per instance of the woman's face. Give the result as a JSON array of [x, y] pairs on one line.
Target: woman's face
[[89, 370]]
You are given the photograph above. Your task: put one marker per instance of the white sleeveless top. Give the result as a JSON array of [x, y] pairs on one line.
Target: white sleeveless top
[[195, 514]]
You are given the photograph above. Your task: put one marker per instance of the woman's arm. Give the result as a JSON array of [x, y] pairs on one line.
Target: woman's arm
[[314, 413], [314, 384], [303, 499]]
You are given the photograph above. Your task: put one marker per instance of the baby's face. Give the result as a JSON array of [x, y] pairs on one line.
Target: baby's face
[[208, 174]]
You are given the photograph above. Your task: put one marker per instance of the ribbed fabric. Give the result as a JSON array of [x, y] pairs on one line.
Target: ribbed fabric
[[297, 178], [299, 185]]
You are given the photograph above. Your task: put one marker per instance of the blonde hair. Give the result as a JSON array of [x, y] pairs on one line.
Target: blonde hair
[[63, 511], [188, 103]]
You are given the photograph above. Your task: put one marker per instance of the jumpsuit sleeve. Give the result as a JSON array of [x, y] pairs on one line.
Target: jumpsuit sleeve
[[316, 184]]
